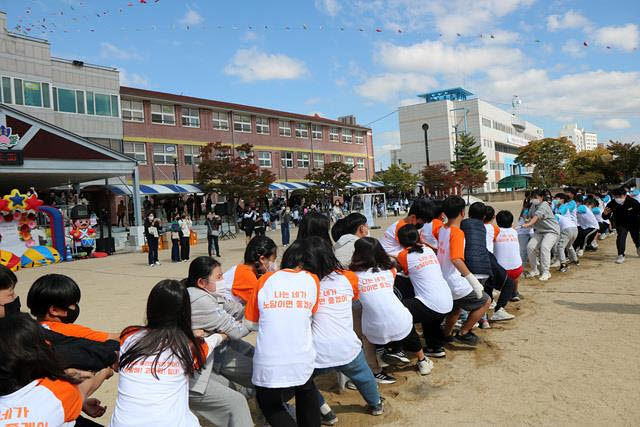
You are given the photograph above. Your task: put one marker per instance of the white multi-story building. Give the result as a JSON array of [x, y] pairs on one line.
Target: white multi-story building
[[451, 112], [395, 156], [75, 96], [579, 137]]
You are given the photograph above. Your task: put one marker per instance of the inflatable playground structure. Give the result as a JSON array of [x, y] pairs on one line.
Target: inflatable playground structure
[[33, 234]]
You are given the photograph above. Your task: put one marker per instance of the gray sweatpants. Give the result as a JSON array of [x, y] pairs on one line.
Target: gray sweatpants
[[565, 243], [220, 404], [542, 244]]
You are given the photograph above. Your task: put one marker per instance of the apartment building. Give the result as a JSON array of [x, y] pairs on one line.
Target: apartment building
[[580, 138]]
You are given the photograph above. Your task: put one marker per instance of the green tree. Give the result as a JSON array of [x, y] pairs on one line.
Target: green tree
[[625, 159], [549, 157], [233, 176], [399, 178], [469, 163], [591, 167], [333, 178], [469, 179], [438, 178]]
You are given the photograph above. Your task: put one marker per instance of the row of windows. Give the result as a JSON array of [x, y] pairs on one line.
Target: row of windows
[[508, 149], [165, 114], [164, 154], [498, 166], [40, 94], [493, 124]]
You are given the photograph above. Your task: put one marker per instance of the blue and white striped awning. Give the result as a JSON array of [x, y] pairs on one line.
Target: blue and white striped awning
[[290, 185], [366, 184], [151, 189]]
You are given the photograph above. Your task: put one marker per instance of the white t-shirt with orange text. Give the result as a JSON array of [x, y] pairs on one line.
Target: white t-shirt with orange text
[[426, 277], [507, 249], [389, 239], [450, 247]]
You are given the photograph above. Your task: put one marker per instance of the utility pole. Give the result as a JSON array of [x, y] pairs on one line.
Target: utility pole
[[425, 128]]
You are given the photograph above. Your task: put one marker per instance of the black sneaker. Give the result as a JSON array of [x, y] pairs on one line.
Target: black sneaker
[[448, 339], [563, 268], [435, 352], [398, 358], [329, 419], [382, 378], [469, 338]]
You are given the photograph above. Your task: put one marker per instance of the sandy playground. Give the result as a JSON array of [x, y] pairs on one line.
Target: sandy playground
[[569, 358]]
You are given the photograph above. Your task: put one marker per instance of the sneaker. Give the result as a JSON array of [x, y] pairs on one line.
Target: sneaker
[[531, 274], [501, 314], [594, 244], [376, 410], [379, 353], [620, 259], [350, 385], [425, 366], [580, 252], [517, 297], [484, 324], [576, 263], [158, 263], [395, 358], [555, 264], [545, 276], [152, 265], [602, 236], [563, 268], [448, 339], [493, 305], [435, 352], [469, 338], [329, 419], [382, 378]]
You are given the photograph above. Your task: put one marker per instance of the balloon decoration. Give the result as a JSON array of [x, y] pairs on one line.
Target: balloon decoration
[[39, 256], [10, 260]]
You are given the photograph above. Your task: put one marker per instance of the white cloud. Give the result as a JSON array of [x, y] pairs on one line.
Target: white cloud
[[409, 101], [250, 36], [390, 86], [330, 7], [614, 124], [312, 101], [574, 48], [626, 37], [133, 79], [191, 18], [440, 57], [570, 20], [111, 51], [252, 65]]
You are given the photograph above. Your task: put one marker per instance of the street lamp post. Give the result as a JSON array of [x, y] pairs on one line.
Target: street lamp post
[[175, 168], [425, 128]]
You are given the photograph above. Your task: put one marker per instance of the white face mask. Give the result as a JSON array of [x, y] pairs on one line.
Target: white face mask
[[535, 202], [619, 201]]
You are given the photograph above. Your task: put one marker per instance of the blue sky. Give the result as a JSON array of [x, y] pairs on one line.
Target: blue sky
[[337, 57]]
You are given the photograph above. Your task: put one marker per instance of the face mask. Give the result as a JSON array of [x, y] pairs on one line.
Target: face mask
[[419, 226], [535, 202], [12, 308], [72, 315], [555, 202], [619, 201]]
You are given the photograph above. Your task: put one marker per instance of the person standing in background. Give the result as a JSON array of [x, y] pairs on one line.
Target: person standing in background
[[185, 229], [213, 223], [120, 212], [285, 221], [175, 240]]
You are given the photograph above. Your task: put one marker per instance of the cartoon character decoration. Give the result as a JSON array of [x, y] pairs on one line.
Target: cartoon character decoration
[[84, 236]]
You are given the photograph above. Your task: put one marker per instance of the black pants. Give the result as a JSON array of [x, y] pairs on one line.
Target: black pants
[[272, 400], [85, 422], [604, 227], [621, 240], [213, 241], [403, 287], [184, 247], [120, 221], [431, 322], [585, 237], [175, 250], [152, 242]]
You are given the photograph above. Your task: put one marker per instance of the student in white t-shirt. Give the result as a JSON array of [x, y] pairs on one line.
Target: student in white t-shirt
[[281, 309], [587, 225], [492, 229], [433, 299], [386, 322], [34, 389], [157, 360], [507, 248]]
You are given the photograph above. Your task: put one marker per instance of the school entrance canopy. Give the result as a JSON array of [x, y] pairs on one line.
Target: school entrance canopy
[[514, 181], [301, 185], [35, 153]]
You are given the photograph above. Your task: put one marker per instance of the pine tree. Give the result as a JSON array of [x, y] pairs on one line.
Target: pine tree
[[468, 154]]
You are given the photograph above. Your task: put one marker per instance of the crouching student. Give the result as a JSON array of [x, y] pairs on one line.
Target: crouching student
[[507, 252], [34, 389], [433, 298], [545, 236], [280, 309], [467, 292], [568, 232], [386, 322], [336, 344], [212, 393], [157, 360], [587, 226]]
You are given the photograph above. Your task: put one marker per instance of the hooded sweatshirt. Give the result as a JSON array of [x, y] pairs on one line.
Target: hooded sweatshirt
[[344, 249]]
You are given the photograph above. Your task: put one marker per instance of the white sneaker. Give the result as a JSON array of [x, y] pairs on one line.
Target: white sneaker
[[594, 244], [531, 274], [158, 263], [602, 237], [425, 366], [556, 263], [501, 314], [152, 265], [545, 276], [620, 259], [493, 305], [580, 252]]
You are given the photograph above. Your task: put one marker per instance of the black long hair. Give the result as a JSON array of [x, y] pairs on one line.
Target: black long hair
[[368, 254], [313, 254], [200, 268], [259, 246], [25, 355], [314, 224], [168, 328], [409, 237]]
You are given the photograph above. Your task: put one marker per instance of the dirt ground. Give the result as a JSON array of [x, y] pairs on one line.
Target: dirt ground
[[569, 358]]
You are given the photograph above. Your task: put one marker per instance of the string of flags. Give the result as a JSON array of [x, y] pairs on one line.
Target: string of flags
[[66, 20]]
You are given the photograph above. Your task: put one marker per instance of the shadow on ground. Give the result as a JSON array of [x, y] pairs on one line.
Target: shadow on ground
[[602, 307]]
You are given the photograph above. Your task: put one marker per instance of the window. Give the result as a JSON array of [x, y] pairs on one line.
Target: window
[[302, 130], [90, 102], [191, 154], [262, 126], [264, 159], [286, 159], [336, 158], [163, 154], [334, 134], [103, 104], [318, 161], [80, 101], [359, 137], [241, 123], [132, 111], [486, 122], [33, 94], [7, 97], [347, 136], [316, 132], [284, 128], [17, 88], [349, 161], [137, 150], [220, 120], [66, 100], [360, 162], [160, 113], [303, 160], [503, 148], [190, 118]]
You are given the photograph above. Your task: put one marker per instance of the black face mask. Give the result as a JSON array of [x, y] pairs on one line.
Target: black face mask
[[12, 308], [72, 315], [419, 226]]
